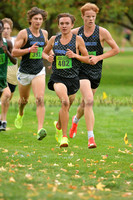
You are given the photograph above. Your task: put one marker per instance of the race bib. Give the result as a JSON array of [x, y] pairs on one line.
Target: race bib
[[63, 62], [10, 63], [2, 59], [37, 55], [92, 53]]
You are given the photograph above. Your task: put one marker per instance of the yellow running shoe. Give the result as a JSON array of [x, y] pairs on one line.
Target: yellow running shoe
[[64, 142], [58, 134], [19, 121], [41, 134]]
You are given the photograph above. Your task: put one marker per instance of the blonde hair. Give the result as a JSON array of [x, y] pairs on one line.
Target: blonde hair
[[8, 21], [89, 6]]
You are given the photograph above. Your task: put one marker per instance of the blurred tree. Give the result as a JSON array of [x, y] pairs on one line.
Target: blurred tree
[[117, 12], [111, 11]]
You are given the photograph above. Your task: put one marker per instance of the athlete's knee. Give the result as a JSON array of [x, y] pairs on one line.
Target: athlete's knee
[[39, 101], [6, 97], [89, 101], [23, 101], [65, 103]]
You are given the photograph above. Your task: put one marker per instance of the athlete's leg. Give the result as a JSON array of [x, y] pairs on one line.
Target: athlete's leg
[[80, 110], [61, 92], [87, 95], [71, 99], [38, 87], [5, 99], [24, 91]]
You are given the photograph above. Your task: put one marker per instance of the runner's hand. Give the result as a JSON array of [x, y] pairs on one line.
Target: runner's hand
[[34, 48], [50, 58], [70, 54]]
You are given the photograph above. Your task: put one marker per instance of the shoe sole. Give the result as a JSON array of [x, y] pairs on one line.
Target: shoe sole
[[56, 135], [64, 145], [17, 126], [42, 134], [15, 123], [92, 146], [74, 135], [2, 129]]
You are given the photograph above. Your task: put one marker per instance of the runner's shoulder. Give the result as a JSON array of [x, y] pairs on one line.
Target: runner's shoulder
[[75, 30]]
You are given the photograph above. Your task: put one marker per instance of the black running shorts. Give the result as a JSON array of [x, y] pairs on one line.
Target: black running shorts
[[94, 82], [72, 84]]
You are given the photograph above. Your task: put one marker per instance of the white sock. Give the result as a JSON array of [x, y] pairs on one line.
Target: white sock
[[4, 122], [75, 120], [90, 134]]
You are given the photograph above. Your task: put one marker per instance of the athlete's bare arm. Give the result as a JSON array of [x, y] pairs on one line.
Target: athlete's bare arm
[[105, 36], [48, 50], [20, 42], [45, 34], [80, 46], [8, 51]]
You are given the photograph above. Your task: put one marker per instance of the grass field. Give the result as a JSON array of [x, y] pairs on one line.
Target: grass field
[[40, 170]]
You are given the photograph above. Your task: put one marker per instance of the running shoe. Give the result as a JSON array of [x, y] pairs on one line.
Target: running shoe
[[3, 126], [41, 134], [91, 143], [64, 142], [73, 129], [19, 121], [58, 134]]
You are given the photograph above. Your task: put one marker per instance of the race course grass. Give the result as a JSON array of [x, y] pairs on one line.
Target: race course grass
[[40, 170]]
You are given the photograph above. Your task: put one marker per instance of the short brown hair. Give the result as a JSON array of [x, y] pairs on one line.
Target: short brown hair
[[8, 21], [1, 22], [66, 15], [36, 11], [89, 6]]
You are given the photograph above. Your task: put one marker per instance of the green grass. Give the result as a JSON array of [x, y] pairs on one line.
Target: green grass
[[40, 170]]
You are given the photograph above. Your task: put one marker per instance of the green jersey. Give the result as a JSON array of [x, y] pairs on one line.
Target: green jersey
[[3, 66]]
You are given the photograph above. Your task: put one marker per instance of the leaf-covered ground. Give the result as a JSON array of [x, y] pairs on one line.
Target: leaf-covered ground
[[39, 170]]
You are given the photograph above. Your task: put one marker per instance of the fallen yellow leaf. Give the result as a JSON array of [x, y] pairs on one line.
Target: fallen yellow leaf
[[125, 139], [12, 180], [70, 165], [2, 169], [64, 170], [4, 151], [118, 176], [100, 186], [28, 176], [104, 95]]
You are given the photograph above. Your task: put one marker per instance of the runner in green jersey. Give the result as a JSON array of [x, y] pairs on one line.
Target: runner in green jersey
[[5, 53]]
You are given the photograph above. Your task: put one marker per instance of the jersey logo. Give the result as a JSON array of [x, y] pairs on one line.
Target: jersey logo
[[30, 36], [90, 43], [38, 43], [56, 43], [63, 52], [81, 35]]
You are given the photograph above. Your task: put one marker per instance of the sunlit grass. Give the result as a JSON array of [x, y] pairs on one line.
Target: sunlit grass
[[40, 170]]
